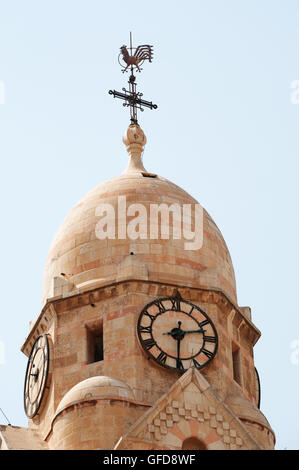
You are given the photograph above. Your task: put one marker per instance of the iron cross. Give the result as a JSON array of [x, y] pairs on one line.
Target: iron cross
[[133, 61]]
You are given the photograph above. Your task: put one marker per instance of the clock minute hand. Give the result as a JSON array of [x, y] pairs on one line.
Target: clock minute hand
[[178, 359], [193, 331]]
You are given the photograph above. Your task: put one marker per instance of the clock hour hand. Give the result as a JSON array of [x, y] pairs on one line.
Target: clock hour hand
[[179, 333], [35, 375], [176, 333]]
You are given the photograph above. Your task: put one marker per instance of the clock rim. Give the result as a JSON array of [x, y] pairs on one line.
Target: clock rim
[[151, 356], [38, 408]]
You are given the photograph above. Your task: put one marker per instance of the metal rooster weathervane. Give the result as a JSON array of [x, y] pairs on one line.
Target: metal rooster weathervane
[[132, 59]]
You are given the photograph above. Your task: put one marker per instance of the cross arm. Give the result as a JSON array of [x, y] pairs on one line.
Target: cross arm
[[132, 99]]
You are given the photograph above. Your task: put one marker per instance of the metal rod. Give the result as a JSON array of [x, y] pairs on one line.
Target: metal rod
[[131, 47], [5, 417]]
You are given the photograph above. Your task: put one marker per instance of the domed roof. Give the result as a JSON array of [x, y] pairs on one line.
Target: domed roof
[[78, 252], [94, 388]]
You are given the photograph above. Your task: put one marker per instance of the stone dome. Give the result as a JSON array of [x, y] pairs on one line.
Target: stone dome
[[252, 417], [95, 388], [84, 259], [245, 409]]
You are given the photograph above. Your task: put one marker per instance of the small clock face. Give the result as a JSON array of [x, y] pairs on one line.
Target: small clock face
[[177, 334], [36, 376]]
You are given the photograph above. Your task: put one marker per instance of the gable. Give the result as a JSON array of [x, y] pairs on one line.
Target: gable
[[191, 408]]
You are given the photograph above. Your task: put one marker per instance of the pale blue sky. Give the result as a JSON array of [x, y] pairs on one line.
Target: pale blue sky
[[225, 131]]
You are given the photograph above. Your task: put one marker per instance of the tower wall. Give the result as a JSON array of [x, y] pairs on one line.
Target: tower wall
[[117, 307]]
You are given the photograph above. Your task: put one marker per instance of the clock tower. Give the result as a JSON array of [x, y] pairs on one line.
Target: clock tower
[[141, 343]]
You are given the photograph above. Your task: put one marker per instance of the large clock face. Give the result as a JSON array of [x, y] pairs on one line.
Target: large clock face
[[36, 379], [177, 334]]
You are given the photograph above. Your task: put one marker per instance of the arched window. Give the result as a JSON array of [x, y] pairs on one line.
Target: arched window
[[192, 443]]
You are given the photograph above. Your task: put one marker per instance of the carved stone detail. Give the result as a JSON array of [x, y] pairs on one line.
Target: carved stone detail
[[176, 411]]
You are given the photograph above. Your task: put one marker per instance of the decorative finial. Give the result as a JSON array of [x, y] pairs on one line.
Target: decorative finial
[[133, 61], [135, 140]]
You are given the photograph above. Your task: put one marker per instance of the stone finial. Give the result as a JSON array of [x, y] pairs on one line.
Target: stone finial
[[135, 140]]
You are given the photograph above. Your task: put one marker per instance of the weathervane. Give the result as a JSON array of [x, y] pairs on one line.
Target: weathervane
[[133, 61]]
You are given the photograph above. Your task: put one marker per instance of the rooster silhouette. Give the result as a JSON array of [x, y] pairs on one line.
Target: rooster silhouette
[[143, 52]]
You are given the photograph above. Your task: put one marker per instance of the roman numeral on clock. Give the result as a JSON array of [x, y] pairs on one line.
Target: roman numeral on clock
[[203, 323], [160, 306], [162, 357], [176, 304], [209, 339], [190, 313], [145, 329], [209, 354], [196, 364], [148, 343], [152, 317]]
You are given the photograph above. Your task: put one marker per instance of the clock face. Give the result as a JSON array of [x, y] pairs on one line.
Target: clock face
[[177, 334], [36, 379]]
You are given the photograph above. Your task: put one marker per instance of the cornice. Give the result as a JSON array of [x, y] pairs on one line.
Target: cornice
[[60, 304]]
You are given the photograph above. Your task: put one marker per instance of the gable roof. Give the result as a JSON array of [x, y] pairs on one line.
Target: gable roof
[[191, 408]]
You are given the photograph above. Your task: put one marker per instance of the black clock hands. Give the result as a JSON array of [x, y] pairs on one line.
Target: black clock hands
[[194, 331], [35, 374], [178, 333], [178, 360]]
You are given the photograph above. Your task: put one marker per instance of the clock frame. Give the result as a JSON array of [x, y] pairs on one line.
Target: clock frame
[[177, 334], [37, 377]]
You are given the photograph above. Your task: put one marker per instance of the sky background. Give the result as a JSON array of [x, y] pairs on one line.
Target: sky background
[[226, 131]]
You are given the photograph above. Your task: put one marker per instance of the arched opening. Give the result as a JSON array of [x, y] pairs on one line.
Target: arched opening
[[192, 443]]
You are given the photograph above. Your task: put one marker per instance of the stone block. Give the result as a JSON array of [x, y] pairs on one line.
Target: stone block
[[213, 423]]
